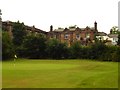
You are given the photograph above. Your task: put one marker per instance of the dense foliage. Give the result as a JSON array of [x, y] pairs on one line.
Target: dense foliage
[[118, 39], [19, 33], [7, 46], [34, 46], [56, 50], [38, 46]]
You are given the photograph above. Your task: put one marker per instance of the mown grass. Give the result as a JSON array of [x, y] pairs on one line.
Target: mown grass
[[59, 74]]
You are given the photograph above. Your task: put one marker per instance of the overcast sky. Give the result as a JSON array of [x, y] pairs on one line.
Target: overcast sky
[[62, 13]]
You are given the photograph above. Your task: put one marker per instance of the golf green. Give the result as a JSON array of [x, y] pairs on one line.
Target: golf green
[[26, 73]]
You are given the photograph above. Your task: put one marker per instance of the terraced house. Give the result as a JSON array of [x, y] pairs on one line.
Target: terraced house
[[8, 26], [72, 34]]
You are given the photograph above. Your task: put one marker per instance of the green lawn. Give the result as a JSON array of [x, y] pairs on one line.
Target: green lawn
[[59, 74]]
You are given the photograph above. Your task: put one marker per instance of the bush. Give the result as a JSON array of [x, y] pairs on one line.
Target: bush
[[98, 50], [76, 50], [112, 53]]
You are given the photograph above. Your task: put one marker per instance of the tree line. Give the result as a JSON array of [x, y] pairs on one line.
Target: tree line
[[37, 46]]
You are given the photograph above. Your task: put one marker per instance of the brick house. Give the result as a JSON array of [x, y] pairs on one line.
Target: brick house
[[8, 26], [73, 34], [69, 35]]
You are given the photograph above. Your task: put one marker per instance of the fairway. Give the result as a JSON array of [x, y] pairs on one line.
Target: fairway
[[27, 73]]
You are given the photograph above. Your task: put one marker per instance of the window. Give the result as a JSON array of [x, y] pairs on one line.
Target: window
[[66, 36], [87, 35], [77, 36], [55, 36], [115, 39], [51, 36]]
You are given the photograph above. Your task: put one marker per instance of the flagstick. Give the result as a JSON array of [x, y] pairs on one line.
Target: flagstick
[[15, 57], [14, 62]]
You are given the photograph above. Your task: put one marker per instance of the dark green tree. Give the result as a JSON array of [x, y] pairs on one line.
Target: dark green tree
[[97, 50], [34, 46], [118, 43], [56, 49], [7, 46], [19, 33], [76, 50]]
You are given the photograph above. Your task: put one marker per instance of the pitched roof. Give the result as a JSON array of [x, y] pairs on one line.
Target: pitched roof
[[73, 28], [113, 35], [101, 34], [59, 30]]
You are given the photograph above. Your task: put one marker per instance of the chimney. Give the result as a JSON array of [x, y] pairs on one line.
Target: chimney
[[51, 28], [95, 25]]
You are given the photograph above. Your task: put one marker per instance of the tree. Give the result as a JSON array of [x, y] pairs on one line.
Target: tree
[[34, 46], [118, 43], [56, 49], [76, 50], [114, 30], [97, 50], [19, 33], [7, 46]]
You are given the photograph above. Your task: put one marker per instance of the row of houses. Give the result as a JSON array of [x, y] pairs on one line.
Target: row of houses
[[71, 34], [8, 26]]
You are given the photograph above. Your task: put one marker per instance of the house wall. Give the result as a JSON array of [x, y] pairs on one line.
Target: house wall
[[72, 35], [8, 26]]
